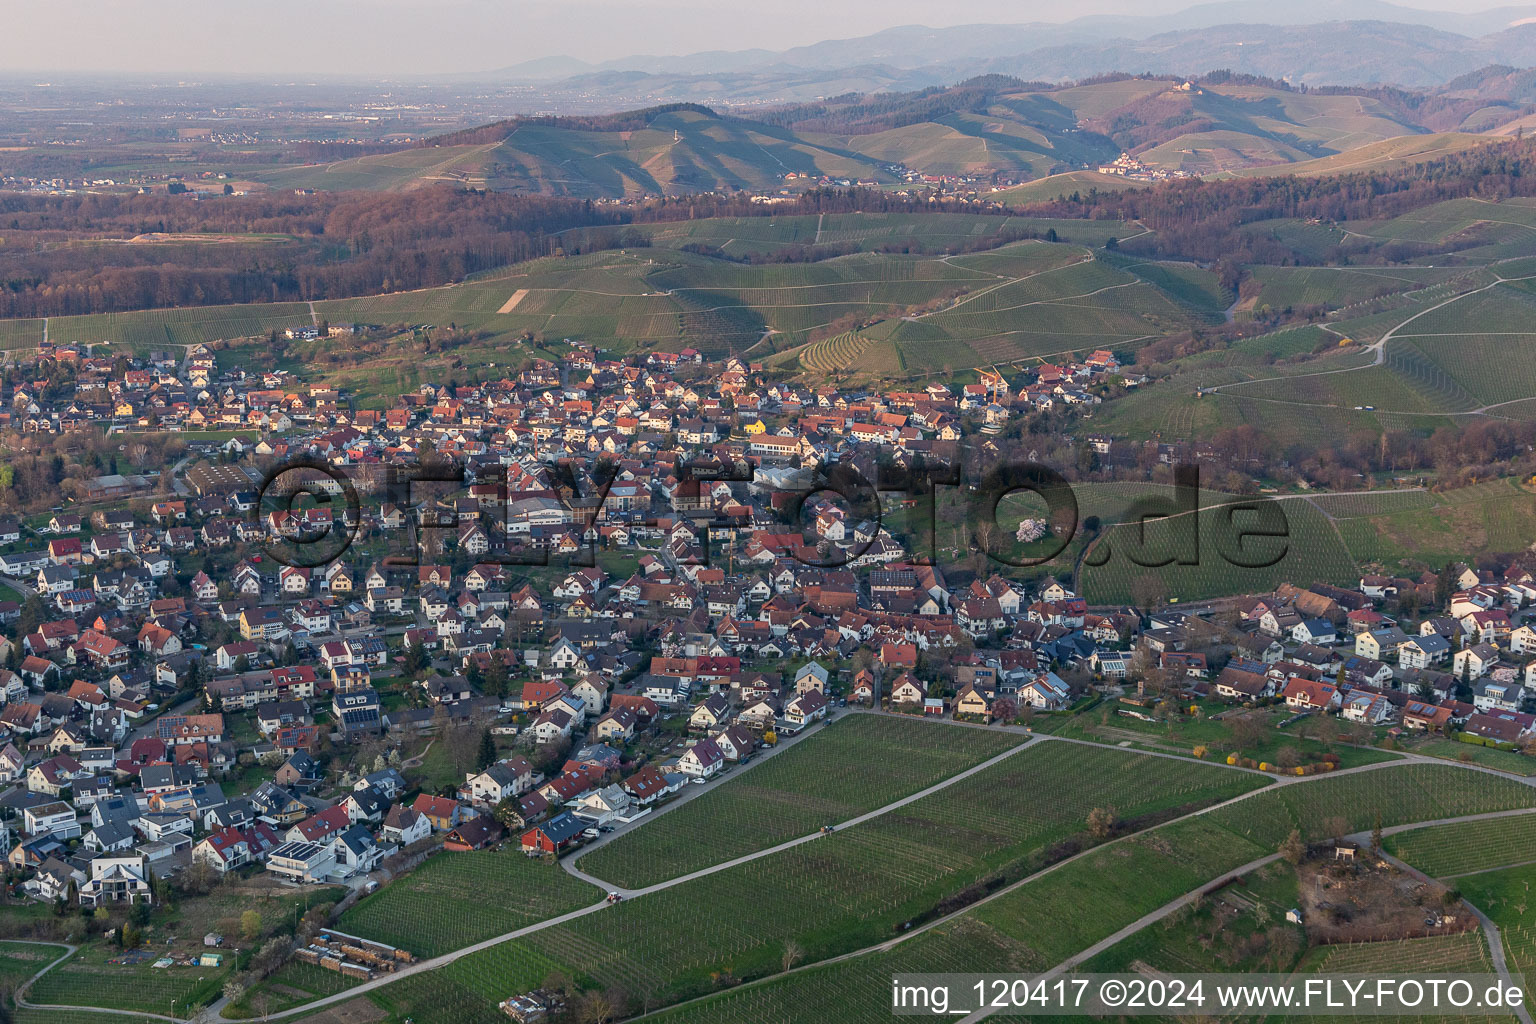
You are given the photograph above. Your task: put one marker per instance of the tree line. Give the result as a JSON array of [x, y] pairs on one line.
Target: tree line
[[64, 255]]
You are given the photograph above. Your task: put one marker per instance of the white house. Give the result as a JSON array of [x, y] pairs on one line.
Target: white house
[[1046, 691], [303, 862], [702, 760]]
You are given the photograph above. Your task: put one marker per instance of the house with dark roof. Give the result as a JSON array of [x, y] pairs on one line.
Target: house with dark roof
[[556, 835], [475, 834]]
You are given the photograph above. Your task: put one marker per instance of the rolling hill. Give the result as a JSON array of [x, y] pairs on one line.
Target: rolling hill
[[676, 151], [991, 128]]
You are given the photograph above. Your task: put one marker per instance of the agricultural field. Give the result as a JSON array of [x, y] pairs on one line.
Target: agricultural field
[[1462, 953], [854, 765], [1180, 734], [856, 886], [1059, 186], [1386, 154], [1226, 549], [1198, 290], [20, 334], [1446, 851], [1504, 896], [1122, 882], [1499, 515], [1465, 952], [1336, 287], [1026, 930], [21, 1015], [294, 984], [858, 990], [467, 990], [87, 979], [1510, 761], [738, 237], [1344, 804], [833, 354], [1240, 927], [1372, 503], [454, 900], [177, 328], [1442, 223], [20, 960], [1032, 311]]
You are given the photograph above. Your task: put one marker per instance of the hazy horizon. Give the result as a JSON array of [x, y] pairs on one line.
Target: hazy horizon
[[390, 39]]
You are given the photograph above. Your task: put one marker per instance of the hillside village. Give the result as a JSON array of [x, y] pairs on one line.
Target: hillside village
[[526, 659]]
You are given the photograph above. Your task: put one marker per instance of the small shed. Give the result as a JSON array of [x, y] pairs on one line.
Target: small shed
[[213, 939], [1293, 916]]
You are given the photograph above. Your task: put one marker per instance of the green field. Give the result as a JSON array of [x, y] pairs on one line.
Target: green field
[[20, 334], [1234, 930], [86, 979], [1222, 554], [1463, 953], [1445, 850], [1504, 896], [823, 895], [294, 984], [1511, 761], [1498, 515], [1029, 928], [456, 899], [21, 1015], [854, 765], [20, 960], [1336, 287], [1180, 733], [1345, 804]]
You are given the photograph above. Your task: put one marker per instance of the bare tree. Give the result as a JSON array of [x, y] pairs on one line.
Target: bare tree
[[792, 954]]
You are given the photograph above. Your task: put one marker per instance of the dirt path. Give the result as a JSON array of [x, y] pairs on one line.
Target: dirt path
[[511, 304]]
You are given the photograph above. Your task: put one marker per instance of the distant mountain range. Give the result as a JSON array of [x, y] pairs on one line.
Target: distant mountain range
[[1316, 42]]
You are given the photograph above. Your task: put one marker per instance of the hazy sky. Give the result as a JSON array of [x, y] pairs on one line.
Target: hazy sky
[[389, 37]]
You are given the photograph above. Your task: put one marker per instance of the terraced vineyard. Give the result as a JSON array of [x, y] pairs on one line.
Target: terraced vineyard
[[854, 765], [834, 354]]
